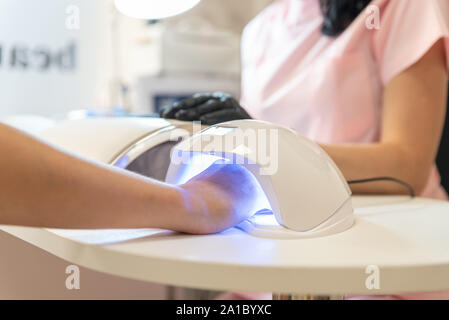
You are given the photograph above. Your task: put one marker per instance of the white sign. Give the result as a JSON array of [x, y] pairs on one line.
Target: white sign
[[54, 55]]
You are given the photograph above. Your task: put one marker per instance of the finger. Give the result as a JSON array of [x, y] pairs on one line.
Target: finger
[[195, 100], [211, 106], [221, 95], [200, 95], [243, 114], [220, 116], [194, 114], [187, 115], [170, 111]]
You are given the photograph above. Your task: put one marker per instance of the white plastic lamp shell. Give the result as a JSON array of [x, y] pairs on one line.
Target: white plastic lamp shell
[[141, 145], [303, 188], [305, 196], [154, 9]]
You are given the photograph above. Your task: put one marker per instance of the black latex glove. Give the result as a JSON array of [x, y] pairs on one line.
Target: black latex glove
[[208, 108]]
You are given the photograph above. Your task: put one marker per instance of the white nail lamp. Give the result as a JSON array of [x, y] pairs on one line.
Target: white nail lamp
[[154, 9], [301, 194]]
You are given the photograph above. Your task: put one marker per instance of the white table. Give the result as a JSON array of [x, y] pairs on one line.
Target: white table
[[408, 240]]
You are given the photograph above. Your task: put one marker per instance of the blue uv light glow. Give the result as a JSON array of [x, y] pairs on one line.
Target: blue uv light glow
[[123, 162], [200, 162], [264, 220], [194, 165]]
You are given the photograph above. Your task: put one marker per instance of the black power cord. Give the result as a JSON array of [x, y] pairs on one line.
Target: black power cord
[[402, 183]]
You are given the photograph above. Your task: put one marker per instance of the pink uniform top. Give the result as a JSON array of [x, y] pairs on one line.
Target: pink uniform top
[[330, 89]]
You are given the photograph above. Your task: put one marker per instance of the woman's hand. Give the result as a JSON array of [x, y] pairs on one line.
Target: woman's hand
[[219, 198], [210, 109]]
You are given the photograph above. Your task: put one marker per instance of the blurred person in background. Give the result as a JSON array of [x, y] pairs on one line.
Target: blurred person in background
[[366, 79]]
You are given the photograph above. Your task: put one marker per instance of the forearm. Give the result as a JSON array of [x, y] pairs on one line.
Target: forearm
[[363, 161], [41, 186]]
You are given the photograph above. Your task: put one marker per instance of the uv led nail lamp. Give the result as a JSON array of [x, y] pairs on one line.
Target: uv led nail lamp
[[302, 193]]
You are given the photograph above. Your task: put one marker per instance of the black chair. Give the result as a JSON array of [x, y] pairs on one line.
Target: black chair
[[443, 154]]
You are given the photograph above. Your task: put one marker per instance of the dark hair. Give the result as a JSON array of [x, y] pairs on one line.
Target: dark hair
[[339, 14]]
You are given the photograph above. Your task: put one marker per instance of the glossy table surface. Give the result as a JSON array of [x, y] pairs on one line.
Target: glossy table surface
[[405, 240]]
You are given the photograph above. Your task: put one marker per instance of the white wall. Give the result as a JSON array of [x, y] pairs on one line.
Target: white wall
[[29, 30], [232, 15], [28, 26]]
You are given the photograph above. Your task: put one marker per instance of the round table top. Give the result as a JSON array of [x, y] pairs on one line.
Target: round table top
[[397, 244]]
